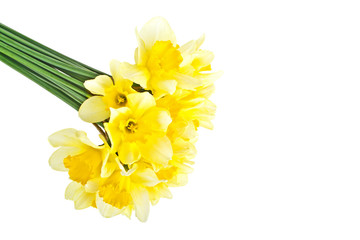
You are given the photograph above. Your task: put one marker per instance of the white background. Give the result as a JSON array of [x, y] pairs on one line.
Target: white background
[[283, 161]]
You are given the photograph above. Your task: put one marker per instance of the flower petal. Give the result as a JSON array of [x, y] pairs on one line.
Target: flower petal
[[165, 87], [140, 198], [109, 165], [92, 185], [99, 85], [56, 160], [137, 74], [76, 192], [209, 78], [146, 177], [68, 137], [140, 102], [187, 82], [105, 209], [188, 49], [122, 84], [94, 110], [129, 152], [157, 150], [157, 29], [140, 52], [156, 119]]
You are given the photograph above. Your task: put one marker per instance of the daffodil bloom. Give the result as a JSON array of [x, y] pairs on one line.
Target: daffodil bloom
[[185, 105], [139, 130], [115, 191], [162, 66], [110, 93], [81, 159]]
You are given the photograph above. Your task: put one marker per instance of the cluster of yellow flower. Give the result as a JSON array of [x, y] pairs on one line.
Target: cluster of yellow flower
[[151, 112]]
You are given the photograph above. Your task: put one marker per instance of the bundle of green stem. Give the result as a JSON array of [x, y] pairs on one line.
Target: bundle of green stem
[[57, 73]]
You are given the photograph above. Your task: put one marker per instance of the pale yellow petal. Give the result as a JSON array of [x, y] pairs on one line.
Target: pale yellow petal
[[146, 177], [69, 137], [183, 148], [129, 152], [99, 85], [188, 49], [202, 59], [124, 172], [164, 191], [164, 86], [76, 192], [109, 165], [157, 29], [179, 180], [122, 85], [156, 119], [187, 82], [209, 78], [183, 129], [94, 110], [141, 200], [157, 150], [56, 160], [137, 74], [105, 209], [140, 102], [92, 185], [140, 52]]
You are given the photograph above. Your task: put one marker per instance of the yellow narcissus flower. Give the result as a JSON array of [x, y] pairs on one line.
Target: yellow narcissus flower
[[114, 192], [185, 105], [139, 130], [81, 159], [110, 93], [150, 114], [162, 65]]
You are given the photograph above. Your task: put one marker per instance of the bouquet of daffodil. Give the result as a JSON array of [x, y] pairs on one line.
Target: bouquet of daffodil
[[147, 114]]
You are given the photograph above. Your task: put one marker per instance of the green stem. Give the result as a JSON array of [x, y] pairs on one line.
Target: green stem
[[49, 60], [37, 79], [42, 70], [43, 49]]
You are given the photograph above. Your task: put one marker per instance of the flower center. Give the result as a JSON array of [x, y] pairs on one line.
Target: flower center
[[131, 126], [120, 99], [164, 58]]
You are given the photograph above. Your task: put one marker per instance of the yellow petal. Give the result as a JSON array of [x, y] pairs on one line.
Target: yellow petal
[[164, 87], [98, 85], [56, 160], [146, 177], [188, 49], [105, 209], [183, 148], [187, 82], [69, 137], [140, 102], [202, 59], [157, 29], [141, 200], [94, 110], [122, 85], [192, 46], [92, 185], [137, 74], [129, 152], [119, 114], [109, 165], [76, 192], [157, 150], [140, 52], [156, 119], [209, 78]]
